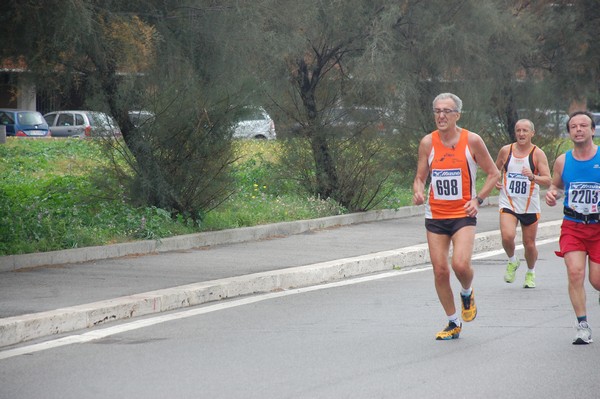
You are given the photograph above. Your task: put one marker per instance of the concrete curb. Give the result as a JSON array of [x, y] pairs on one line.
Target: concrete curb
[[230, 236], [23, 328]]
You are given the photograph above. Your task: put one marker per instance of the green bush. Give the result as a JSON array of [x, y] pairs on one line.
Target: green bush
[[58, 194]]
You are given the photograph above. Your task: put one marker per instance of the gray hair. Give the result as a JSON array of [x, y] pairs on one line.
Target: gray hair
[[531, 126], [453, 97]]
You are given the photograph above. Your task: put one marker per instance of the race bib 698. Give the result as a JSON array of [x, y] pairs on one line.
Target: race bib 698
[[446, 184]]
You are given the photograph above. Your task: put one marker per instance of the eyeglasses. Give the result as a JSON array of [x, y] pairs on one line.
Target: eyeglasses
[[444, 111]]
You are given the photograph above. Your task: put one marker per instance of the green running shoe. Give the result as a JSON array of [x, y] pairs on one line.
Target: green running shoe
[[529, 280], [511, 270]]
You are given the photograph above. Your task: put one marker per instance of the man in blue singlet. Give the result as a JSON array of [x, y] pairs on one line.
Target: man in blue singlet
[[577, 175]]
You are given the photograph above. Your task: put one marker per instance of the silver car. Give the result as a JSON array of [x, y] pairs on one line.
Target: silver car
[[82, 124], [254, 123], [596, 116]]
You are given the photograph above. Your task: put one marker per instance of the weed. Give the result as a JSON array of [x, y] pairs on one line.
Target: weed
[[50, 198]]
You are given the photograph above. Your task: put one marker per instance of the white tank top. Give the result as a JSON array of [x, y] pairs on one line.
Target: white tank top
[[518, 193]]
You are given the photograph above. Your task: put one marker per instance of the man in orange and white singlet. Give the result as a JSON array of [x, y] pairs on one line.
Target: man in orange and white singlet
[[450, 157], [524, 169]]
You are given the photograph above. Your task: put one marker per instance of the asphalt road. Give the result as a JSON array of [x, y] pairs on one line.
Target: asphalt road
[[62, 297], [369, 337]]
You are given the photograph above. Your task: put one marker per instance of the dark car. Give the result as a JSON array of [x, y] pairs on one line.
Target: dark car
[[349, 121], [24, 123], [141, 117], [82, 124]]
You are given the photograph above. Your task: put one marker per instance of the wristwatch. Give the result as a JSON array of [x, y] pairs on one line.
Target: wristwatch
[[479, 200]]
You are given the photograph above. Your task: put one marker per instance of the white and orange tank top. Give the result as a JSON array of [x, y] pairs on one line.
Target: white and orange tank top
[[518, 193], [453, 172]]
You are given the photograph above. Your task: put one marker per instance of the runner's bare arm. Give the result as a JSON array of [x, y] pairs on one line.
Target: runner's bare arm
[[556, 188], [485, 162], [422, 170], [543, 177], [500, 161]]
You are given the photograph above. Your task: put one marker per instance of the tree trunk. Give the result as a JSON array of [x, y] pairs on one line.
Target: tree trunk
[[325, 172], [327, 182]]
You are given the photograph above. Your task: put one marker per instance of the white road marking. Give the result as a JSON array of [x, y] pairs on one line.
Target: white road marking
[[137, 324], [517, 247]]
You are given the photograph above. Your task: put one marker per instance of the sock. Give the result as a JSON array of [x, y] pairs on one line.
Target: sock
[[466, 292], [581, 318], [532, 271], [512, 258], [454, 319]]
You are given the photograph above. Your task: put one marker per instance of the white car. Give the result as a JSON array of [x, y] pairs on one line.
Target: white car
[[254, 123], [82, 124]]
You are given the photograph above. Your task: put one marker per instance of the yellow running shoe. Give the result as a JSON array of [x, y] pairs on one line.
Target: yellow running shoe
[[452, 331], [529, 280], [469, 309], [511, 270]]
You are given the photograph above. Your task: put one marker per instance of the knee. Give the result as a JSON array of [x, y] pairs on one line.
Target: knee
[[508, 236], [576, 276], [441, 274], [595, 281], [462, 269], [529, 246]]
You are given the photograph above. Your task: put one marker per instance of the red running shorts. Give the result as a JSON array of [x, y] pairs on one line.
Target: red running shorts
[[580, 237]]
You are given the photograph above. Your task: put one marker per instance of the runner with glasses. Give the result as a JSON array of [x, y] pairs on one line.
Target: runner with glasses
[[449, 157]]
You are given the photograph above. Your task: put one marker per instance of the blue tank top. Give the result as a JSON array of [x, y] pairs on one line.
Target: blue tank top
[[582, 184]]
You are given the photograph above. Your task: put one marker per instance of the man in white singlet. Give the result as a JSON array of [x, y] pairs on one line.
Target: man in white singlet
[[524, 169]]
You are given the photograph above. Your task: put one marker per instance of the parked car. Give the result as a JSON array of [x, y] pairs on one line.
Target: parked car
[[24, 123], [363, 119], [547, 121], [254, 123], [140, 117], [348, 121], [82, 124], [596, 116]]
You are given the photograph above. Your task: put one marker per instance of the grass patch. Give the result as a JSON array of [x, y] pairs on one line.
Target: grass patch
[[48, 199]]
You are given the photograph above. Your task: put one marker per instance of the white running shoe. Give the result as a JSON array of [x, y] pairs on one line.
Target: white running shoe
[[583, 335]]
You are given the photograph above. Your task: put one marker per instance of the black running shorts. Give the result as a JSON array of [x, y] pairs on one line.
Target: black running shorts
[[525, 219], [448, 226]]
